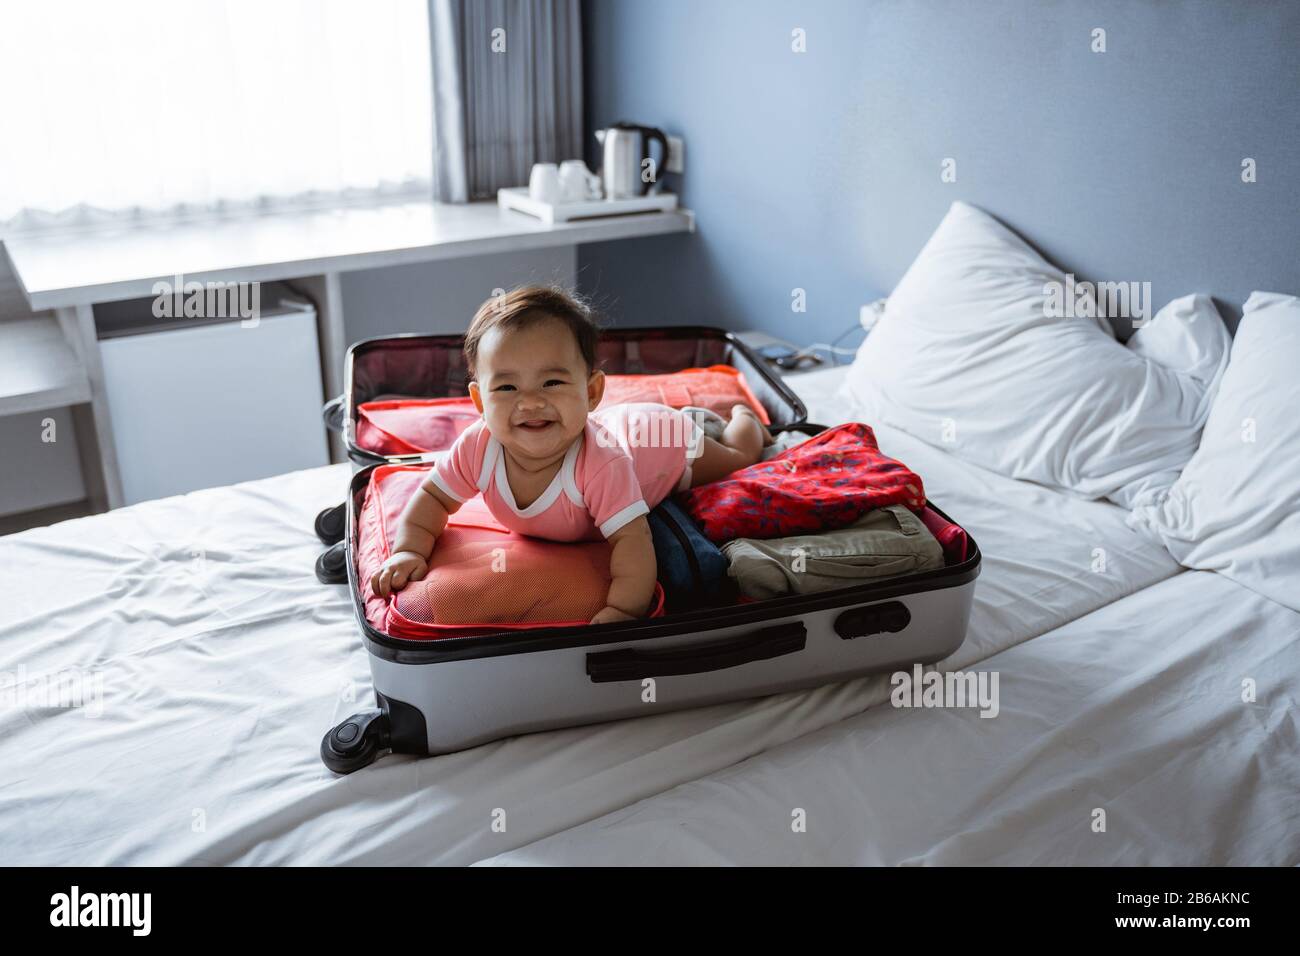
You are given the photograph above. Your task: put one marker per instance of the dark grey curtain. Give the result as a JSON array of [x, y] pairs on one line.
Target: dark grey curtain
[[495, 112]]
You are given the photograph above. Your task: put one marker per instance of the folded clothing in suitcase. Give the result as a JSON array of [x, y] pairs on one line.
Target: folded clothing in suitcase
[[826, 482], [482, 577], [413, 426], [890, 541], [691, 569]]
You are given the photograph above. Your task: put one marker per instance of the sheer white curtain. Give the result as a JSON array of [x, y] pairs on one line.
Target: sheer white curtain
[[138, 108]]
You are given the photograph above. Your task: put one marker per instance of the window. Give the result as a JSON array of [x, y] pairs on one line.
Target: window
[[147, 107]]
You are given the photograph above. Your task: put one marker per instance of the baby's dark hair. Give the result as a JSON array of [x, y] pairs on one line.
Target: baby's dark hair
[[522, 307]]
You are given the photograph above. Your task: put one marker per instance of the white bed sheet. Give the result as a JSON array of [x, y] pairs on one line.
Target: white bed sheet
[[223, 662], [1136, 709]]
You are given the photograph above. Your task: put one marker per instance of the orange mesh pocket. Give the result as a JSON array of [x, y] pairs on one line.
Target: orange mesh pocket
[[716, 388], [516, 580], [483, 578]]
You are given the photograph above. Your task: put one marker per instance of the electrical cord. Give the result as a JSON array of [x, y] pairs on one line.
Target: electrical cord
[[810, 352]]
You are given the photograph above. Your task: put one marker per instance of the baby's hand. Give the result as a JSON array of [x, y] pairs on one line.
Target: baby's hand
[[611, 614], [397, 571]]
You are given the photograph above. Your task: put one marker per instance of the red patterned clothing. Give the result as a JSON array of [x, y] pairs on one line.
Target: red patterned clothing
[[827, 482]]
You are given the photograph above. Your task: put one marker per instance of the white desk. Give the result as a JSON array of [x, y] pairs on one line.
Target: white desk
[[71, 272]]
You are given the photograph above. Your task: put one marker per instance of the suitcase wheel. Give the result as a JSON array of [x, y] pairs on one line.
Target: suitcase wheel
[[332, 523], [356, 742], [332, 565]]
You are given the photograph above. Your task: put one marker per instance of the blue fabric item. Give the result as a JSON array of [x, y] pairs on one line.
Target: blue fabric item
[[691, 568]]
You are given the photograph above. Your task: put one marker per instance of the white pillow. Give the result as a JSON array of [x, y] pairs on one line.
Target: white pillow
[[966, 357], [1236, 506]]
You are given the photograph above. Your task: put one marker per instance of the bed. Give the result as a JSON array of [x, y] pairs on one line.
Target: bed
[[220, 661]]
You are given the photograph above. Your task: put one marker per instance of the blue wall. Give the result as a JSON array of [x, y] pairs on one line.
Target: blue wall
[[821, 170]]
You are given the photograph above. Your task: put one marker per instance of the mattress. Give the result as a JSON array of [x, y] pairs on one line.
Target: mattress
[[1143, 720], [222, 661]]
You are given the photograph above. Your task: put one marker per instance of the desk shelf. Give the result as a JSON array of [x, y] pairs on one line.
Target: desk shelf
[[49, 363], [39, 367]]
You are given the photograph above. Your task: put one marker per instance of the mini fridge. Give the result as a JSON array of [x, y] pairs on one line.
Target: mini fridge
[[201, 403]]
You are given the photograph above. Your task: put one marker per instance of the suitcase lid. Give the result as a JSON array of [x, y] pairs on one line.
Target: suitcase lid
[[433, 366]]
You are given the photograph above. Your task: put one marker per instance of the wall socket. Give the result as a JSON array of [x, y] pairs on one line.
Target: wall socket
[[870, 313], [676, 161]]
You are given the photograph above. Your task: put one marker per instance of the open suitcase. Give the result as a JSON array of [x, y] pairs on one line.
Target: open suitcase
[[450, 693]]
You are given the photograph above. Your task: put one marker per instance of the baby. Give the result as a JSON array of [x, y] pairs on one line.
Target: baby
[[551, 466]]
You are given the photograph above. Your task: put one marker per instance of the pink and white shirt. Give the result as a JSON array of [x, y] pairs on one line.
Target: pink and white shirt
[[628, 459]]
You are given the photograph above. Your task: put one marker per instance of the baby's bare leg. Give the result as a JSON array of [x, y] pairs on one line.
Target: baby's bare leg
[[741, 446]]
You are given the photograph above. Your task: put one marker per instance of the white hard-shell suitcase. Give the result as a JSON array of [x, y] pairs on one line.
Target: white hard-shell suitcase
[[437, 696]]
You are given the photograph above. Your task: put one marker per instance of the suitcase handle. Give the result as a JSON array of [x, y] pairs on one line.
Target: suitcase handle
[[332, 414], [806, 428], [630, 663]]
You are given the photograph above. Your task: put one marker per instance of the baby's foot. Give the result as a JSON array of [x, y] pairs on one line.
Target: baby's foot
[[742, 409], [709, 421]]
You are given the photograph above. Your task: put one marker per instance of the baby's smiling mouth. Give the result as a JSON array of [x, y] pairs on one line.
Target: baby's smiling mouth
[[536, 424]]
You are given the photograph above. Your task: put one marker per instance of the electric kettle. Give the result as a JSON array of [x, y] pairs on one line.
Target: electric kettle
[[626, 147]]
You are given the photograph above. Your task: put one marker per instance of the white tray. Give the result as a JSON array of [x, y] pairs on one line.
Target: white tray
[[517, 198]]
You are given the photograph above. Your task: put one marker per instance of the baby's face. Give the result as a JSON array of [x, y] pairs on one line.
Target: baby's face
[[534, 390]]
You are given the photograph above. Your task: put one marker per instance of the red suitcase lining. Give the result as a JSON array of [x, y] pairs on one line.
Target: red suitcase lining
[[413, 426]]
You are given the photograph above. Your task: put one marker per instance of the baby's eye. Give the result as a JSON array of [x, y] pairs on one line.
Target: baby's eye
[[555, 381], [502, 388]]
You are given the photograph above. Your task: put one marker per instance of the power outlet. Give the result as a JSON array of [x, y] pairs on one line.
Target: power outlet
[[870, 313], [676, 161]]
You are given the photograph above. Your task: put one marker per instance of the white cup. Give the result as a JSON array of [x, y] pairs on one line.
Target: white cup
[[577, 182], [544, 183]]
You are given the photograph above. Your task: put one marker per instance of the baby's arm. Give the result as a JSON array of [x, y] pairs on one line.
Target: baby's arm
[[423, 519], [632, 570]]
